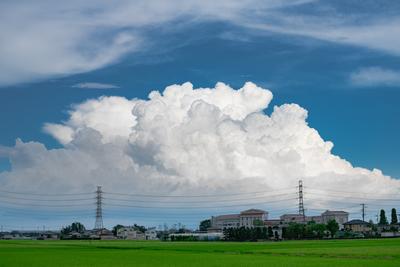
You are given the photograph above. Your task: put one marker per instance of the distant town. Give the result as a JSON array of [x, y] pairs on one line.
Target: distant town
[[248, 225]]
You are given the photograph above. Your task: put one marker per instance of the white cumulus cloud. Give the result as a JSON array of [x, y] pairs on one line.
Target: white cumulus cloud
[[188, 141]]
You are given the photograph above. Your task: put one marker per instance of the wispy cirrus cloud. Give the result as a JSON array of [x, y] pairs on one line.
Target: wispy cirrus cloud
[[94, 85], [375, 76], [44, 39]]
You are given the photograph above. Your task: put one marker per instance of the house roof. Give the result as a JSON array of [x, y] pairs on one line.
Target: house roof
[[253, 211], [356, 222]]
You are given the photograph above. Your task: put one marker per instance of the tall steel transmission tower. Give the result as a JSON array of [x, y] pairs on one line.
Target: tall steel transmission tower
[[301, 203], [99, 212]]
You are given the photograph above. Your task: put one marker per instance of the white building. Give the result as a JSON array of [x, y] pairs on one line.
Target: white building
[[225, 221], [129, 232], [151, 234], [341, 217], [292, 218], [249, 218]]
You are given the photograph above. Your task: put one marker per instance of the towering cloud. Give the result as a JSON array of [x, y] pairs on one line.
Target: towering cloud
[[184, 140]]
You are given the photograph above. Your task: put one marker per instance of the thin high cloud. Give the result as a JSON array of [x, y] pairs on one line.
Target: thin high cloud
[[93, 85], [375, 76], [44, 39]]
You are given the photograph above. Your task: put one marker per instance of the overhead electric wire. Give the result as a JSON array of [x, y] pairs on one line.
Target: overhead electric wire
[[45, 194], [195, 207], [48, 200], [165, 203], [9, 214], [266, 198], [347, 192], [42, 205], [352, 197], [33, 211], [192, 196]]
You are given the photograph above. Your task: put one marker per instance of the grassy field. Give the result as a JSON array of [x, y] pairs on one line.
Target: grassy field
[[384, 252]]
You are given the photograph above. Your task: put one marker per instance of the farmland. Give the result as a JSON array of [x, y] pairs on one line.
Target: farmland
[[380, 252]]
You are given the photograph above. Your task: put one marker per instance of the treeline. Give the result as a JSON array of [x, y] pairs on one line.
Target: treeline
[[310, 230], [250, 234]]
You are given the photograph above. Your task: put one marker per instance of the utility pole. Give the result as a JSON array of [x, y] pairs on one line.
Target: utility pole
[[301, 203], [363, 211], [99, 212]]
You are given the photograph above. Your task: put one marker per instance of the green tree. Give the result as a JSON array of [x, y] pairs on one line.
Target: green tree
[[394, 216], [332, 226], [116, 228], [276, 235], [139, 228], [295, 231], [270, 232], [372, 225], [315, 230], [78, 227], [382, 218], [74, 227], [258, 222], [204, 225]]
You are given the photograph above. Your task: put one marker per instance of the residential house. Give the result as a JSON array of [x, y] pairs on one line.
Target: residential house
[[357, 226], [129, 232], [151, 234]]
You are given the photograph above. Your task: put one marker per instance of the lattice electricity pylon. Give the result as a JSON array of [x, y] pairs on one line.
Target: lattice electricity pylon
[[98, 225], [301, 203]]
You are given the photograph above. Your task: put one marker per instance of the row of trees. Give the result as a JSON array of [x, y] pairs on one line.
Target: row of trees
[[383, 220], [76, 227], [310, 230], [249, 234]]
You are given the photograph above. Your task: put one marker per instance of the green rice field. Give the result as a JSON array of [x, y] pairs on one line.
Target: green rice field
[[24, 253]]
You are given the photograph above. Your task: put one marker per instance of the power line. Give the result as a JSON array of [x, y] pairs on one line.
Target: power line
[[48, 200], [41, 205], [43, 194], [195, 207], [352, 197], [199, 201], [352, 193], [199, 196]]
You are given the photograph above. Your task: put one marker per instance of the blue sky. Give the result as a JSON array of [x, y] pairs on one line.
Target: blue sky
[[338, 60]]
